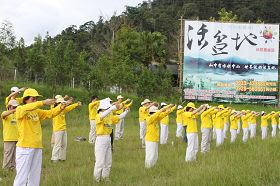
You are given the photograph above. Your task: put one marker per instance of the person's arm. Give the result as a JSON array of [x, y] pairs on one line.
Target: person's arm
[[206, 112], [24, 109], [128, 105], [47, 114], [71, 107], [16, 93], [106, 112], [7, 113]]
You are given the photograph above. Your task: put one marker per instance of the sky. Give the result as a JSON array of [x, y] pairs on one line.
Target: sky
[[33, 17]]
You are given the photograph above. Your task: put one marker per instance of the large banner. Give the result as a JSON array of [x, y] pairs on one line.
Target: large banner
[[231, 62]]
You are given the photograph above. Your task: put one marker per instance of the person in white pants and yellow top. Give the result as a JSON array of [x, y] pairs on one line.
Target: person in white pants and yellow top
[[206, 128], [120, 126], [143, 114], [59, 130], [190, 116], [234, 118], [274, 123], [253, 124], [220, 124], [164, 122], [152, 134], [179, 121], [245, 125], [264, 123], [92, 112], [10, 135], [103, 149], [226, 123], [29, 145]]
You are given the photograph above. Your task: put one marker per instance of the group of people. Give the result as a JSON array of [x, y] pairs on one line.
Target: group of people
[[215, 121], [22, 131]]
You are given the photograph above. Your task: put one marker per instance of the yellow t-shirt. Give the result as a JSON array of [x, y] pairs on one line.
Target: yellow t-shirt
[[124, 106], [10, 129], [206, 118], [29, 123], [219, 120], [233, 122], [253, 119], [92, 109], [273, 118], [165, 120], [143, 113], [59, 122], [264, 119], [152, 132], [189, 120], [104, 126], [179, 116], [245, 119]]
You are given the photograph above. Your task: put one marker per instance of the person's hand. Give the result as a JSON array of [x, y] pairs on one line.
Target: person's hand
[[63, 106], [79, 103], [66, 97], [48, 101], [118, 105], [23, 89], [69, 101]]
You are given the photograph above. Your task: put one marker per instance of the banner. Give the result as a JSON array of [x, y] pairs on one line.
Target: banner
[[231, 62]]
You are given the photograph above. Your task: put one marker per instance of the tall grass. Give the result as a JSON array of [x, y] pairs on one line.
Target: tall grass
[[254, 163]]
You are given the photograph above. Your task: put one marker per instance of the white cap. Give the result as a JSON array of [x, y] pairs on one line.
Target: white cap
[[60, 100], [13, 103], [58, 96], [262, 112], [179, 107], [146, 101], [142, 103], [163, 104], [153, 109], [119, 97], [108, 99], [104, 104], [14, 89]]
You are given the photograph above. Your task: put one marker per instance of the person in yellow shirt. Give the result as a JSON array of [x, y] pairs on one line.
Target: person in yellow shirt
[[206, 127], [13, 95], [189, 117], [264, 123], [59, 130], [120, 126], [10, 135], [245, 125], [234, 118], [29, 145], [274, 123], [143, 114], [179, 121], [92, 111], [253, 124], [164, 122], [152, 133], [226, 123], [103, 149], [219, 124]]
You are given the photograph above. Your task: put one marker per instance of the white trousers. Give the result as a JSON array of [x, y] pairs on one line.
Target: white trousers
[[233, 135], [28, 166], [60, 145], [245, 134], [179, 130], [253, 129], [219, 137], [119, 130], [264, 132], [192, 147], [142, 132], [163, 133], [92, 132], [205, 139], [239, 127], [214, 133], [103, 157], [274, 129], [226, 126], [151, 154]]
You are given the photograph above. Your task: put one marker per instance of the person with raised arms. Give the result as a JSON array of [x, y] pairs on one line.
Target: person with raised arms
[[245, 125], [179, 121], [189, 117], [152, 133], [103, 147], [143, 114], [264, 123], [274, 122], [234, 118], [226, 123], [219, 122], [92, 112], [29, 145], [253, 124]]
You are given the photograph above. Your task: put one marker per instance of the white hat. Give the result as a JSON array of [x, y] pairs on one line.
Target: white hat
[[262, 112], [60, 100], [119, 97], [142, 103], [163, 104], [58, 96], [108, 99], [13, 103], [233, 111], [146, 101], [14, 89], [179, 107], [153, 109], [104, 104]]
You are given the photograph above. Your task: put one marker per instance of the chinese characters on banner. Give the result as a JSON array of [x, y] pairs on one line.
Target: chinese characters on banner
[[231, 62]]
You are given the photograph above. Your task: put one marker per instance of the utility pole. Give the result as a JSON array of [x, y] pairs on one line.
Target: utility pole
[[180, 53]]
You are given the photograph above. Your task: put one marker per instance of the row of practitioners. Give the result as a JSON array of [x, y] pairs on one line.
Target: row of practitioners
[[215, 123]]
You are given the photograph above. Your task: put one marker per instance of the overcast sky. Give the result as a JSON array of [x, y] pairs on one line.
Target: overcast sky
[[33, 17]]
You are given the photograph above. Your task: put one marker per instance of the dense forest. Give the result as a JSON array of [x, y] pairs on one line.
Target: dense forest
[[127, 52]]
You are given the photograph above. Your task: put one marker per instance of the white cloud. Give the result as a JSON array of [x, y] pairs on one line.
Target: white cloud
[[33, 17]]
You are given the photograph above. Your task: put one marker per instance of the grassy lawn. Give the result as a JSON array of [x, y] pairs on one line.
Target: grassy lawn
[[254, 163]]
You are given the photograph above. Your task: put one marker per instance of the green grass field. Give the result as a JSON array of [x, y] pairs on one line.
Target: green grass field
[[254, 163]]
